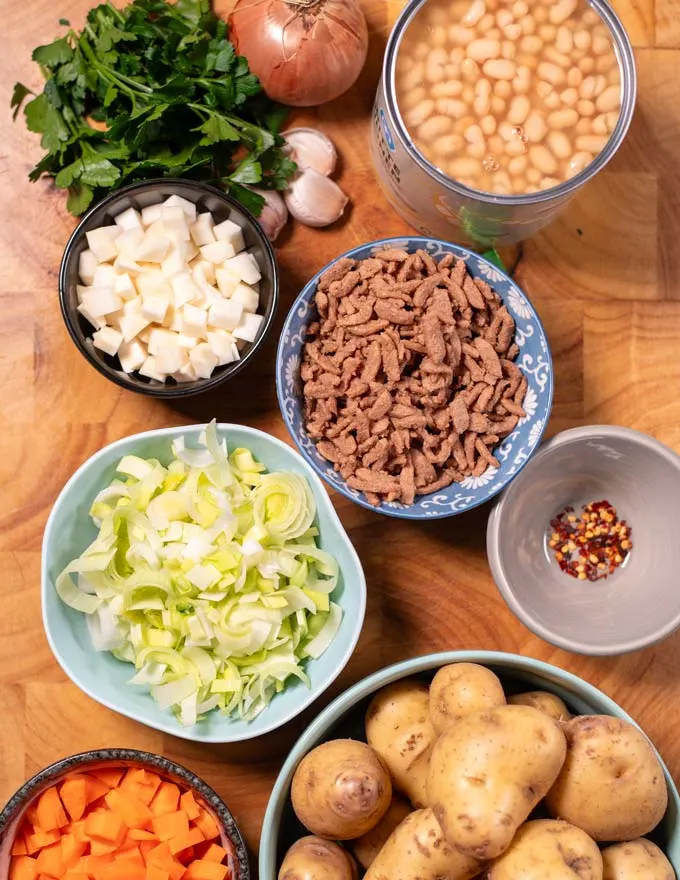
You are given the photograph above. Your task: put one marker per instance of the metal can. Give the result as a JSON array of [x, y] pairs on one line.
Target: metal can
[[435, 204]]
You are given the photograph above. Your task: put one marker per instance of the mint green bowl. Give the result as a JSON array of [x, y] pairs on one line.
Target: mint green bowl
[[69, 530], [344, 717]]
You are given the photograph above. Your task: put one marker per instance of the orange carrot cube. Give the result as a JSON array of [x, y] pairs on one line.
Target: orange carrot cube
[[166, 799], [171, 825], [50, 811], [189, 805], [23, 868], [207, 824], [214, 853], [205, 870], [73, 795]]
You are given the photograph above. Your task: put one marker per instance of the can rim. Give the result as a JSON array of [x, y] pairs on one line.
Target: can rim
[[626, 60]]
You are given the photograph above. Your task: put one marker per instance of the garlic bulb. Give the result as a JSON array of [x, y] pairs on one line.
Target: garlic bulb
[[274, 215], [314, 199], [312, 149]]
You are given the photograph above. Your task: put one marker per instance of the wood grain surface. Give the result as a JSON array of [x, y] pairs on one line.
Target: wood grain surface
[[605, 279]]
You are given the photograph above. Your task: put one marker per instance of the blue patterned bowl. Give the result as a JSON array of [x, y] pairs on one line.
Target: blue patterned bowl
[[513, 453]]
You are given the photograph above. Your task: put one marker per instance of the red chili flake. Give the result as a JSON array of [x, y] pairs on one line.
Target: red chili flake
[[590, 545]]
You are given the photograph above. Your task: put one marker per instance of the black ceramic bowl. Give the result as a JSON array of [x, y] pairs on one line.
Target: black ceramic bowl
[[14, 810], [139, 195]]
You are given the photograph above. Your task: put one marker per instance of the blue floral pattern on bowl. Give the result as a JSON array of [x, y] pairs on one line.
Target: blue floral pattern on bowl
[[513, 453]]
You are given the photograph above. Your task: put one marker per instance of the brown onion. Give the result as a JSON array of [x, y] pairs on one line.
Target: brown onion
[[305, 52]]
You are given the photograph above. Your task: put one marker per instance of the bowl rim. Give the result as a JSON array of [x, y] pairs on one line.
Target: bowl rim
[[31, 787], [169, 725], [162, 391], [267, 868], [498, 572], [305, 295]]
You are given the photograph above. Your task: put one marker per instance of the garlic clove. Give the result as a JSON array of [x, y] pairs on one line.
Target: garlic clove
[[274, 215], [312, 149], [315, 200]]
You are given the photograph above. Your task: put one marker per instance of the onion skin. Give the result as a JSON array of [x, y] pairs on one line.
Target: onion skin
[[303, 55]]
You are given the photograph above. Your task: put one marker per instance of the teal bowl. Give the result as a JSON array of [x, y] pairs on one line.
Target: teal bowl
[[344, 717], [70, 530]]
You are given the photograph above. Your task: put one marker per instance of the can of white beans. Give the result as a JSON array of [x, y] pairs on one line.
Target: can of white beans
[[439, 205]]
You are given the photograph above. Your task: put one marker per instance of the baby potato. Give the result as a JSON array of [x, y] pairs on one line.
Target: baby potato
[[312, 858], [487, 774], [636, 860], [417, 849], [399, 729], [612, 784], [545, 701], [548, 849], [460, 689], [367, 847], [341, 789]]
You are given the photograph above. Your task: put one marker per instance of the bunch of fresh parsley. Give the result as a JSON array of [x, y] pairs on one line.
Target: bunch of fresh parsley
[[152, 90]]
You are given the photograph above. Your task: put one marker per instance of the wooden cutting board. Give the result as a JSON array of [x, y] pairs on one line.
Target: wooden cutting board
[[605, 279]]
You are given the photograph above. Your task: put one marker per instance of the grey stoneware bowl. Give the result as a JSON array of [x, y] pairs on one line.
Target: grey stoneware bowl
[[140, 195], [636, 606], [14, 810]]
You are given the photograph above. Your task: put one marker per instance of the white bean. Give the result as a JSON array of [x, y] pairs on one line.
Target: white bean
[[591, 17], [543, 89], [502, 183], [592, 86], [614, 75], [452, 72], [410, 99], [496, 145], [562, 10], [593, 143], [605, 62], [503, 18], [421, 50], [543, 159], [532, 44], [551, 54], [468, 93], [551, 73], [512, 32], [586, 108], [586, 65], [469, 70], [502, 88], [500, 68], [600, 125], [508, 50], [436, 15], [577, 163], [447, 89], [481, 105], [559, 144], [498, 105], [519, 109], [569, 97], [483, 49], [434, 127], [419, 113], [549, 183], [533, 175], [547, 32], [438, 37], [434, 73], [438, 56], [565, 118], [582, 40], [449, 145], [459, 35], [414, 78], [465, 167], [574, 77], [476, 150], [520, 9], [584, 126], [518, 164], [564, 41], [516, 147], [483, 87], [507, 131], [520, 84], [612, 118], [457, 55], [610, 99], [601, 45], [462, 123], [540, 14], [485, 24], [528, 25], [488, 124], [451, 107], [535, 127], [493, 34]]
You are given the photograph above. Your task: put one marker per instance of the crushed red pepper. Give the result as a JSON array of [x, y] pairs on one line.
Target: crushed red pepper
[[590, 545]]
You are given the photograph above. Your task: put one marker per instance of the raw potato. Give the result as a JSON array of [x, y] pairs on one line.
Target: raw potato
[[399, 729], [488, 773], [341, 789], [636, 860], [460, 689], [548, 849], [612, 784], [312, 858], [366, 848], [417, 850], [546, 702]]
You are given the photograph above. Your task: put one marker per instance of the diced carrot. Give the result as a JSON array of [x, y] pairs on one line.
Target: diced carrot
[[204, 870], [78, 831], [145, 847], [111, 776], [51, 861], [189, 805], [39, 839], [141, 784], [50, 811], [123, 869], [73, 794], [19, 846], [214, 853], [94, 789], [23, 868], [141, 834], [156, 872], [102, 847], [72, 849], [44, 877], [184, 841], [166, 799], [187, 855], [207, 824], [170, 825], [93, 865], [106, 825], [75, 875], [132, 811], [160, 853]]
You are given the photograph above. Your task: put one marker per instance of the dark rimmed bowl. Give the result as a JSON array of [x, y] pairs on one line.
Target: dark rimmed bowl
[[140, 195], [13, 811]]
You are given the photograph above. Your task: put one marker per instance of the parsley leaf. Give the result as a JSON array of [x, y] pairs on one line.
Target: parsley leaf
[[19, 95], [54, 54]]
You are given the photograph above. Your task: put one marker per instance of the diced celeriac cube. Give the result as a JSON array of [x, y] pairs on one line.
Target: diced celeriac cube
[[185, 341], [231, 232], [184, 289], [101, 242], [127, 241], [159, 337], [186, 374], [133, 323], [187, 249], [144, 335], [178, 202], [101, 301], [171, 358], [104, 275], [151, 213], [245, 266], [123, 263], [217, 252], [174, 220], [107, 340], [226, 281], [150, 369], [154, 306], [210, 296], [132, 355], [203, 270], [225, 314], [113, 320], [202, 229], [124, 286], [96, 322], [248, 327], [245, 296], [173, 264], [194, 320], [222, 345], [87, 263], [203, 360], [153, 282], [152, 249], [129, 219], [80, 290]]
